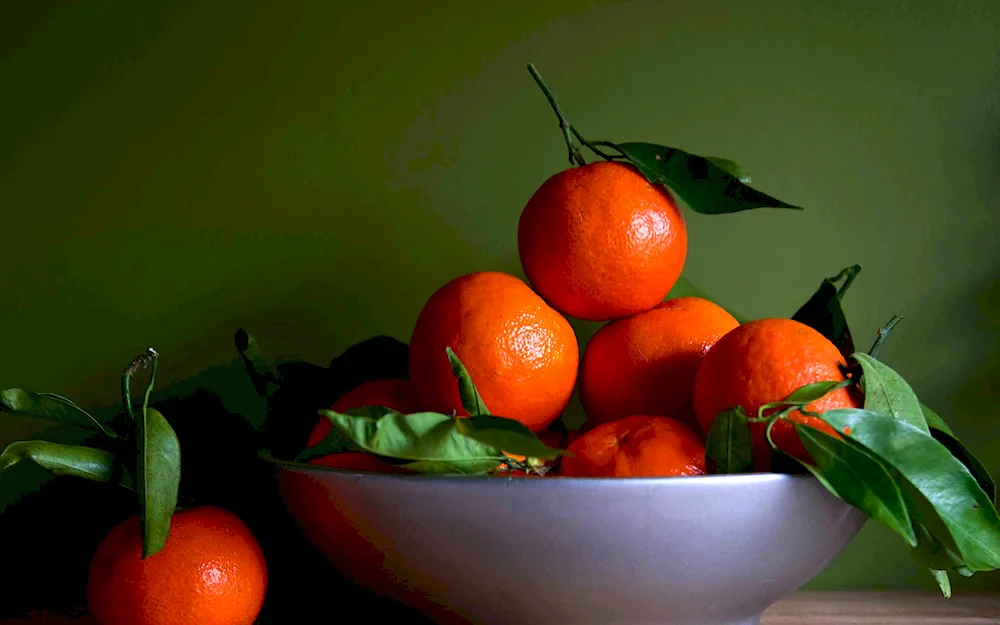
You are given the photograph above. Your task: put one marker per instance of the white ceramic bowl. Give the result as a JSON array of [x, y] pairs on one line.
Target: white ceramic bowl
[[713, 550]]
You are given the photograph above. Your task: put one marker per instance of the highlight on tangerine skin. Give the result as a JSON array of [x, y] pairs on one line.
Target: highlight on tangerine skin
[[637, 446]]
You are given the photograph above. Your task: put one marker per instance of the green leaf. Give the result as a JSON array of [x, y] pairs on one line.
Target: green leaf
[[823, 311], [728, 445], [730, 168], [161, 476], [859, 478], [805, 395], [472, 401], [511, 436], [966, 457], [887, 392], [433, 440], [941, 577], [262, 371], [158, 463], [50, 406], [73, 460], [965, 510], [934, 421], [705, 186]]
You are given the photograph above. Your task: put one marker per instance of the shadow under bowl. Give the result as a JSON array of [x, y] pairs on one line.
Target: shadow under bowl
[[712, 550]]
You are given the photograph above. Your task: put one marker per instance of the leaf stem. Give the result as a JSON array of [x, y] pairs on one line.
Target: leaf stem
[[850, 273], [883, 333], [140, 362], [575, 157]]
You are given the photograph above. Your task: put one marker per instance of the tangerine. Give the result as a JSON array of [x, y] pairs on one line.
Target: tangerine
[[600, 241], [637, 446], [647, 363], [211, 572], [762, 362], [521, 354]]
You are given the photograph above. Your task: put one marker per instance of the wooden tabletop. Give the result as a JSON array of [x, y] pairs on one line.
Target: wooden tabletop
[[884, 608], [804, 608]]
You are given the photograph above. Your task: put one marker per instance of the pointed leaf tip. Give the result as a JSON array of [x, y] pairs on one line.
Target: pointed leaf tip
[[472, 401]]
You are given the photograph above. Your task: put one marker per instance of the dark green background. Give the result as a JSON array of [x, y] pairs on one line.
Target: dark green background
[[312, 171]]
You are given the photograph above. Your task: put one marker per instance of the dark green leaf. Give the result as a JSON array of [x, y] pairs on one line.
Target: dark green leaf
[[472, 401], [702, 184], [963, 507], [262, 371], [934, 421], [859, 478], [887, 392], [728, 445], [48, 406], [511, 436], [971, 463], [429, 438], [730, 168], [823, 311], [161, 475], [74, 460], [941, 577]]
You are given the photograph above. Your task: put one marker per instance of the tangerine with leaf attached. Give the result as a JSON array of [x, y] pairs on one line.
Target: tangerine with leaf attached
[[599, 241], [762, 362], [211, 572]]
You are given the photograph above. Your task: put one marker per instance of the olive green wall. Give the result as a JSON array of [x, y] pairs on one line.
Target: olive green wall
[[172, 171]]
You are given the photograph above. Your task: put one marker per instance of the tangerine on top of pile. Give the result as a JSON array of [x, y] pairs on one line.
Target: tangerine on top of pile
[[600, 242]]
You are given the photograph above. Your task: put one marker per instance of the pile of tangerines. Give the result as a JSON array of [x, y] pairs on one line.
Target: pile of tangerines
[[600, 242]]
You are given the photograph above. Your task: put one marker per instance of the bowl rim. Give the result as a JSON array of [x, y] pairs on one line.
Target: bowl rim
[[524, 482]]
